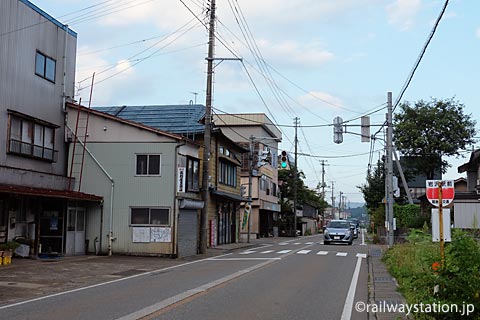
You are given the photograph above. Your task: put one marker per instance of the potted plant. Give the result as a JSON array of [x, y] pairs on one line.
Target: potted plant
[[7, 249]]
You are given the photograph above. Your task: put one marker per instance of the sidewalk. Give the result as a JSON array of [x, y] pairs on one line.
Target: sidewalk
[[29, 278], [382, 286]]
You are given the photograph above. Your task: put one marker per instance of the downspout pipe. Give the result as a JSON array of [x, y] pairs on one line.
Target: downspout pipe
[[64, 93], [110, 231]]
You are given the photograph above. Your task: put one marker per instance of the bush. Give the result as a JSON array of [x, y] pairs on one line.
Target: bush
[[459, 282], [409, 216], [9, 245]]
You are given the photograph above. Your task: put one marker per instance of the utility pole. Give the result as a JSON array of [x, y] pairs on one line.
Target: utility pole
[[207, 134], [322, 162], [250, 169], [333, 200], [340, 207], [389, 175], [295, 182]]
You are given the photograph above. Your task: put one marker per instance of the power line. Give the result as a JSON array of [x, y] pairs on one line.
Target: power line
[[422, 53]]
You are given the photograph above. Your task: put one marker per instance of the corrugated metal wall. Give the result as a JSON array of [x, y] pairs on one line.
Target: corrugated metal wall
[[466, 215], [24, 31]]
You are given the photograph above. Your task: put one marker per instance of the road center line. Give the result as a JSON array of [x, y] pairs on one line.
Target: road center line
[[347, 308]]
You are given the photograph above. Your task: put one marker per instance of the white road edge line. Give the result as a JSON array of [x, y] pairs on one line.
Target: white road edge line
[[348, 307], [189, 293], [105, 283], [363, 237]]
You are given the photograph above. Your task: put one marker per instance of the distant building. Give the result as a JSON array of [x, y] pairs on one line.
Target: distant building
[[242, 128]]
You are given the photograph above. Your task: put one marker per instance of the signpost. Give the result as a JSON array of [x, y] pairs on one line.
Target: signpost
[[441, 193]]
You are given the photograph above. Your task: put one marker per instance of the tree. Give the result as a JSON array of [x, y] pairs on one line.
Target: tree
[[374, 189], [427, 131], [304, 195]]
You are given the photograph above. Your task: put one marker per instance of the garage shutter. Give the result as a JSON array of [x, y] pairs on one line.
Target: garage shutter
[[187, 233]]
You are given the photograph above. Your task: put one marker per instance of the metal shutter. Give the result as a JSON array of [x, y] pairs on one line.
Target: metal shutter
[[187, 232]]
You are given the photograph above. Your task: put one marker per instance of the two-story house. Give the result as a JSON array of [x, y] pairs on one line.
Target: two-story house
[[37, 73], [259, 132], [149, 180], [225, 161]]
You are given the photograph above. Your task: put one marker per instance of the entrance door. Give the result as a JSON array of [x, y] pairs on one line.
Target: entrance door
[[76, 231]]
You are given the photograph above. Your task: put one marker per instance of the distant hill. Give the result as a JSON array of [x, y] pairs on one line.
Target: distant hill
[[359, 212], [356, 204]]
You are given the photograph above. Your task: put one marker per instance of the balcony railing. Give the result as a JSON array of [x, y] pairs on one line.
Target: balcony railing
[[33, 151]]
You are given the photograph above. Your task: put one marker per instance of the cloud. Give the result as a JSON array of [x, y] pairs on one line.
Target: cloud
[[108, 77], [295, 53], [403, 12], [478, 33], [318, 99]]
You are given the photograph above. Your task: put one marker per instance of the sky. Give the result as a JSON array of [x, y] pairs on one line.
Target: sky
[[311, 59]]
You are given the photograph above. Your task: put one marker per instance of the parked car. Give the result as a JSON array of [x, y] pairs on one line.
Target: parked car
[[338, 231]]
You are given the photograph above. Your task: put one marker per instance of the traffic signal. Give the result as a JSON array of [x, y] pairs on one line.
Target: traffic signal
[[264, 157], [283, 159], [243, 189], [337, 130]]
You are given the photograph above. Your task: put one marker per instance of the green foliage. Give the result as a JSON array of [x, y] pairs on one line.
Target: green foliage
[[374, 189], [377, 216], [408, 216], [9, 245], [459, 282], [304, 194], [460, 279], [427, 131]]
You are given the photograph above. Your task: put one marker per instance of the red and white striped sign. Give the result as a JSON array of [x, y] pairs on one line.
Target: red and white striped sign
[[448, 192]]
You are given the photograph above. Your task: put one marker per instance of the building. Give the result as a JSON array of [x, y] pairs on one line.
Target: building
[[37, 73], [225, 161], [149, 180], [256, 132], [466, 206]]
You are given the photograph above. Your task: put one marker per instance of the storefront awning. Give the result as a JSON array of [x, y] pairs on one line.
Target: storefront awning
[[191, 204], [229, 196], [49, 193]]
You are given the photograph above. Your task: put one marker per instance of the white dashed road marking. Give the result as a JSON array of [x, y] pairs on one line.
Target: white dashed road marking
[[268, 251], [284, 251], [322, 253], [247, 252], [303, 251], [341, 254]]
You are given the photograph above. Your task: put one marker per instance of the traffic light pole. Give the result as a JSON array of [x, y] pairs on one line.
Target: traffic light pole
[[295, 182]]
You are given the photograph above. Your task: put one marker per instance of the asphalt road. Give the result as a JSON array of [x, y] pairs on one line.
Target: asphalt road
[[296, 279]]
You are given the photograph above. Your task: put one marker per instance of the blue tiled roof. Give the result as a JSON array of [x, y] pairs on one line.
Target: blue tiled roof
[[180, 119]]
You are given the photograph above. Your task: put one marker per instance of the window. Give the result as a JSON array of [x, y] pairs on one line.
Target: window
[[193, 174], [31, 137], [148, 165], [150, 216], [228, 173], [45, 67]]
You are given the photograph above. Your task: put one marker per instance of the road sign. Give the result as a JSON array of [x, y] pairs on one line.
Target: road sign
[[446, 227], [448, 192]]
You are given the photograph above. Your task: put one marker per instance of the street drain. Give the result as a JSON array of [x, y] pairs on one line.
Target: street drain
[[382, 279], [376, 253]]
